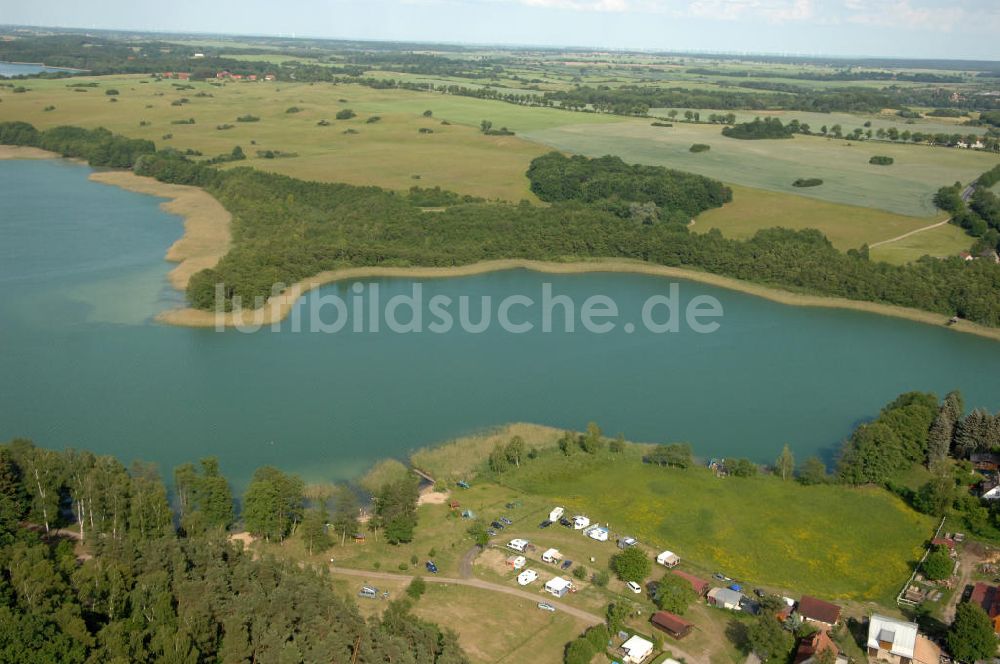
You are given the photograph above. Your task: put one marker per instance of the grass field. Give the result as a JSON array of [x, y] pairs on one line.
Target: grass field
[[945, 240], [904, 188], [832, 541], [390, 153], [847, 226]]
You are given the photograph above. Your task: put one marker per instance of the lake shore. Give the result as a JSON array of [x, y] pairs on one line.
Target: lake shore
[[207, 238], [278, 307]]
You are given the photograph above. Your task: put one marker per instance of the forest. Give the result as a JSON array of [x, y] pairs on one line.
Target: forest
[[135, 588], [285, 230]]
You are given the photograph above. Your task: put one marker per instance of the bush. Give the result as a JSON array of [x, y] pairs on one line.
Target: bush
[[601, 578], [425, 130], [111, 92], [807, 182], [632, 564], [428, 114], [293, 109], [416, 588], [700, 147], [248, 118], [345, 114], [414, 560], [403, 567], [880, 160], [373, 119], [580, 572], [661, 124], [938, 565]]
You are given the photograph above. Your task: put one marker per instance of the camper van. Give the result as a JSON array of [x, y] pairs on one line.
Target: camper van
[[552, 556], [368, 592], [580, 522], [526, 577], [518, 545]]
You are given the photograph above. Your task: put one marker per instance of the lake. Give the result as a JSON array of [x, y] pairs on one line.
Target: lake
[[24, 69], [82, 363]]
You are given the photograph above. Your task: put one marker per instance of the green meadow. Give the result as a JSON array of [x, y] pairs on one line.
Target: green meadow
[[833, 541], [905, 188]]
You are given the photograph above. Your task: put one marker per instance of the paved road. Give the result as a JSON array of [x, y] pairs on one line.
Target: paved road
[[586, 616]]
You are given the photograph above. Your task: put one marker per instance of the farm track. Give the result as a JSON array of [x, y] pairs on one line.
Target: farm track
[[906, 235], [586, 616]]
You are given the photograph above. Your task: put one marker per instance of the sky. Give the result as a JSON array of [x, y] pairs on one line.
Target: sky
[[958, 29]]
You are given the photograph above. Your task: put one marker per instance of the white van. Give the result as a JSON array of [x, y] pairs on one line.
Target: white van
[[634, 587]]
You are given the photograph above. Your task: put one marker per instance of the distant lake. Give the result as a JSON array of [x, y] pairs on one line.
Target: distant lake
[[21, 69], [83, 365]]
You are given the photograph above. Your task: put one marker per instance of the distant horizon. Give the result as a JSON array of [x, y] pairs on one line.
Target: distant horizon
[[834, 29], [472, 45]]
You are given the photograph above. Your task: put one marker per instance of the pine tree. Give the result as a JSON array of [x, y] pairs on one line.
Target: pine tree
[[940, 436]]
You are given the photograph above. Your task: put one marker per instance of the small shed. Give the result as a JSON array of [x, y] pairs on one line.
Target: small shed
[[818, 611], [672, 624], [668, 559]]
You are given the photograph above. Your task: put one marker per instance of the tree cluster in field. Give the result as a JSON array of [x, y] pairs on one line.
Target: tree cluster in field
[[611, 184], [758, 129], [807, 182], [285, 230], [486, 126], [700, 147], [147, 591], [980, 217], [881, 160]]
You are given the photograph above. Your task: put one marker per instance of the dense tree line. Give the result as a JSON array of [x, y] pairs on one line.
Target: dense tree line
[[285, 230], [980, 217], [759, 129], [140, 591], [841, 75]]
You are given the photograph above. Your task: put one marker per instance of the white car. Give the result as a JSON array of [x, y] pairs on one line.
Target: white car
[[545, 606], [634, 587]]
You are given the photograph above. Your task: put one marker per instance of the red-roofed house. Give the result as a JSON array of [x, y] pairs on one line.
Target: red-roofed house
[[672, 624], [988, 597], [817, 611], [811, 647], [700, 586], [946, 542]]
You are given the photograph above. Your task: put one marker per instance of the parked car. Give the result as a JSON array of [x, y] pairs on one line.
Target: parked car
[[545, 524], [566, 564], [759, 592], [431, 567], [545, 606], [505, 520], [565, 522], [368, 592], [491, 532], [634, 587], [497, 525]]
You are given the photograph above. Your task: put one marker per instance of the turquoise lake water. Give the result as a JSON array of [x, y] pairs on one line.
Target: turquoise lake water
[[83, 365], [21, 69]]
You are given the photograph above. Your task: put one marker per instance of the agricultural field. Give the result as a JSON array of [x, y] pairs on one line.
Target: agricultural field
[[390, 152], [847, 226], [905, 188]]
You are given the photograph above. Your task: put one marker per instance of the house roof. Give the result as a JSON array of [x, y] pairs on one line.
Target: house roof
[[637, 646], [895, 636], [810, 646], [670, 622], [699, 585], [818, 610], [988, 597], [943, 541]]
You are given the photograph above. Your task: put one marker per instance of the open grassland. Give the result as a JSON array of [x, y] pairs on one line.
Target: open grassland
[[390, 152], [946, 240], [832, 541], [906, 187], [847, 226]]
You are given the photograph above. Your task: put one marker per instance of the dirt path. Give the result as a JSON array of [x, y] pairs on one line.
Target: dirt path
[[586, 616], [906, 235], [971, 556], [465, 565]]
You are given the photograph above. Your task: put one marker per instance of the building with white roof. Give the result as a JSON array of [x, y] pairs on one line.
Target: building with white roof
[[899, 642], [636, 650], [558, 586]]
